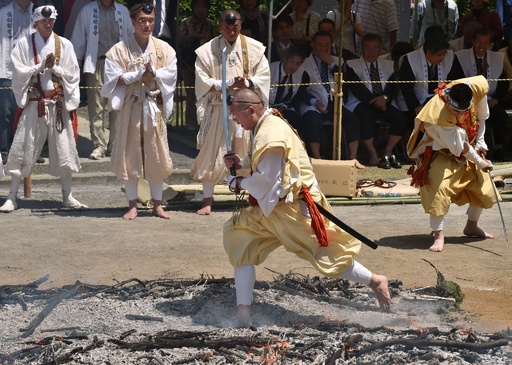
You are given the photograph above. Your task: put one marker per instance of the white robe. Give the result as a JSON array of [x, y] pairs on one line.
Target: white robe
[[495, 61], [129, 159], [85, 36], [7, 41], [32, 130], [209, 164], [317, 90]]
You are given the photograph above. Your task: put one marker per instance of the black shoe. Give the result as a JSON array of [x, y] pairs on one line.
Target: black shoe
[[4, 157], [393, 161], [40, 160], [384, 163]]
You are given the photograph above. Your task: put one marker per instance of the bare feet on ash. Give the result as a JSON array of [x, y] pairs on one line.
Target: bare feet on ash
[[207, 207], [379, 284]]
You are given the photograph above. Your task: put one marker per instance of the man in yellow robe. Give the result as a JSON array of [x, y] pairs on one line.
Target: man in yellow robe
[[246, 67], [448, 136], [283, 190]]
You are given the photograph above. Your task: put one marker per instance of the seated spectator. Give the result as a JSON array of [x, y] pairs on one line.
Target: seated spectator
[[351, 24], [443, 13], [479, 60], [305, 24], [431, 64], [292, 81], [282, 29], [319, 110], [254, 20], [327, 25], [488, 18], [372, 101], [194, 31], [465, 41]]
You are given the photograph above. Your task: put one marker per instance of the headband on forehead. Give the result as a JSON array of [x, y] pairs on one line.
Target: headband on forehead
[[461, 105], [42, 12]]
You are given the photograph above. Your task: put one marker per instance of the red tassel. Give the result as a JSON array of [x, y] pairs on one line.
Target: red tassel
[[420, 176], [74, 122], [317, 220]]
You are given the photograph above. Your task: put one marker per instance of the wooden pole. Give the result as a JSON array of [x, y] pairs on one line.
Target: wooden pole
[[27, 187], [337, 122]]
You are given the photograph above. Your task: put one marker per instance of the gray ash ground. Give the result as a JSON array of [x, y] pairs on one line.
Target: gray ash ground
[[297, 320]]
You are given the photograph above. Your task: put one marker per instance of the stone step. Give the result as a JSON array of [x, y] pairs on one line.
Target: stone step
[[179, 176]]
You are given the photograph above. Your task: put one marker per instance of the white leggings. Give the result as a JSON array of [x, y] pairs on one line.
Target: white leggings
[[437, 223], [245, 278], [155, 187]]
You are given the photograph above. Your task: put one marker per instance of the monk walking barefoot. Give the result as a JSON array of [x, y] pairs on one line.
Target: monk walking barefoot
[[448, 139], [140, 78]]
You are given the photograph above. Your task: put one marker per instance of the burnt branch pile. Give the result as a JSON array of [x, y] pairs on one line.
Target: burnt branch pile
[[298, 320]]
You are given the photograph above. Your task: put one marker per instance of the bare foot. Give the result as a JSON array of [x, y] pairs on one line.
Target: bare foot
[[159, 212], [472, 230], [131, 214], [438, 242], [132, 210], [242, 317], [359, 165], [207, 207], [379, 284]]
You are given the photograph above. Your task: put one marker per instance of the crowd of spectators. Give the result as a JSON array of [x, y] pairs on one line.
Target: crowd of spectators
[[306, 48]]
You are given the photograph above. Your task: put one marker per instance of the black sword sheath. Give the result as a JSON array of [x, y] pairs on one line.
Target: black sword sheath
[[345, 227]]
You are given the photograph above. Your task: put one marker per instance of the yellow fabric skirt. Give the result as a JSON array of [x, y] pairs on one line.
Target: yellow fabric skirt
[[449, 182], [253, 237]]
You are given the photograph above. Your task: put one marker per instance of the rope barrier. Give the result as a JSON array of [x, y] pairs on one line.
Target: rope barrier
[[321, 83]]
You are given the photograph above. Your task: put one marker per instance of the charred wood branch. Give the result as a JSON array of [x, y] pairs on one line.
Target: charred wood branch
[[47, 310], [6, 289], [68, 357], [138, 317], [427, 343], [216, 344], [202, 356]]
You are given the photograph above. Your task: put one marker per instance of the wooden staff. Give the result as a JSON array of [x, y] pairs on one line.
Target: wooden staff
[[337, 122], [27, 186]]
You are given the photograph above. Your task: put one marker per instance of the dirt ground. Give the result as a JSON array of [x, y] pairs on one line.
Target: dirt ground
[[96, 246]]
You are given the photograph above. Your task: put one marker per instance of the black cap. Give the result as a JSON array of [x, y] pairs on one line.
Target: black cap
[[231, 19]]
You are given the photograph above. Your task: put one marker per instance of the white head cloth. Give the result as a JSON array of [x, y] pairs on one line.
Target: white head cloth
[[36, 13]]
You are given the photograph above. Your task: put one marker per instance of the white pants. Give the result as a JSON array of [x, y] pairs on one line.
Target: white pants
[[245, 278], [156, 189]]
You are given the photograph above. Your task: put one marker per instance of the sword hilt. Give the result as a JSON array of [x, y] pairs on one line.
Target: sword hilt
[[232, 169]]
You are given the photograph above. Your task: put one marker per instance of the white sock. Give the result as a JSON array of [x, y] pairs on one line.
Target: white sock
[[436, 222], [208, 188], [157, 189], [130, 187], [66, 186], [245, 278], [357, 273], [474, 213], [15, 185]]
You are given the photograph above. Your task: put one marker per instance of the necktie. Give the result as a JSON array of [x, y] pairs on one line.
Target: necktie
[[289, 94], [479, 66], [432, 72], [324, 74], [280, 90], [374, 76]]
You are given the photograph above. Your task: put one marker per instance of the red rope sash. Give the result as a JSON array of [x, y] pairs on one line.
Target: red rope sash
[[317, 219]]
